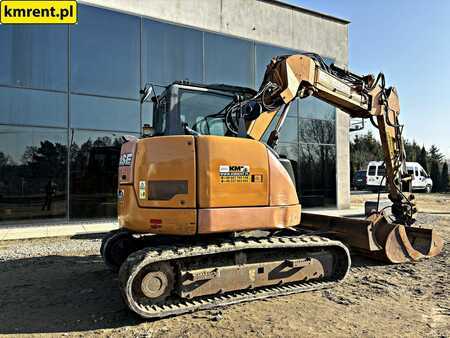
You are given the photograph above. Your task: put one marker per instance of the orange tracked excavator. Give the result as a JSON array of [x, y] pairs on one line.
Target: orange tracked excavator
[[210, 215]]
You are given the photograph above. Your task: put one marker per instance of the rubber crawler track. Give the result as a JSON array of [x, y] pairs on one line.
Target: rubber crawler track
[[139, 259]]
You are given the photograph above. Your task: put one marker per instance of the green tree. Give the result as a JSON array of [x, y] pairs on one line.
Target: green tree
[[435, 155], [444, 177], [4, 159], [363, 149], [422, 159], [435, 175], [412, 151]]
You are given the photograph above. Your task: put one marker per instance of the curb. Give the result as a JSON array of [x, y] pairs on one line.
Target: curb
[[62, 230]]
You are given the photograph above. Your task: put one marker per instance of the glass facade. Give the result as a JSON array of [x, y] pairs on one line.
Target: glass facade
[[94, 157], [229, 60], [33, 173], [310, 145], [68, 94], [104, 53], [34, 56], [171, 53]]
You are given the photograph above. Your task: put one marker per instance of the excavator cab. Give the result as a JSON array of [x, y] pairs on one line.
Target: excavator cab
[[195, 109]]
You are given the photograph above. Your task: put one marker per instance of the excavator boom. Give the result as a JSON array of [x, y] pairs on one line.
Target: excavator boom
[[299, 76]]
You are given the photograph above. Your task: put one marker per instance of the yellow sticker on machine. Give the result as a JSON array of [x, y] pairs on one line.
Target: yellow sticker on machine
[[234, 173]]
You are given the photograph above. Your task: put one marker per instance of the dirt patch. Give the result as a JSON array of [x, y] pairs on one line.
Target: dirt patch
[[426, 203], [60, 286]]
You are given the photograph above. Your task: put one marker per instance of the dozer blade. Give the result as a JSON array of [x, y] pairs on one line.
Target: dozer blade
[[376, 237]]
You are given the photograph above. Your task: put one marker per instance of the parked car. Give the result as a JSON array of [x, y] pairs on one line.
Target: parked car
[[359, 180], [421, 181]]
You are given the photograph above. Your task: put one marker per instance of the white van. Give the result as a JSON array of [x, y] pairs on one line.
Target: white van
[[420, 179]]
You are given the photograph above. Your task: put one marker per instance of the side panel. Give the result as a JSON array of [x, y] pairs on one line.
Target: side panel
[[282, 189], [126, 163], [164, 172], [232, 172], [244, 219], [153, 220]]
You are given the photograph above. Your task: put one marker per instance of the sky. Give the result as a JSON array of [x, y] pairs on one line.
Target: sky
[[409, 41]]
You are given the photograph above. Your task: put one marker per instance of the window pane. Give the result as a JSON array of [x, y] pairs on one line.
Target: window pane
[[196, 109], [93, 174], [34, 56], [228, 60], [147, 113], [289, 151], [33, 172], [289, 131], [35, 107], [171, 53], [105, 53], [317, 175], [264, 53], [93, 112], [316, 131], [314, 108]]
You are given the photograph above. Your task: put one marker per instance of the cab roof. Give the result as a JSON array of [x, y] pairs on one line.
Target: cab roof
[[218, 86]]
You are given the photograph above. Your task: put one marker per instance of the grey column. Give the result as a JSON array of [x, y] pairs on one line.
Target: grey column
[[342, 160]]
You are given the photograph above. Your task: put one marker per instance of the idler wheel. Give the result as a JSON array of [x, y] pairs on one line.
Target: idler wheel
[[154, 284]]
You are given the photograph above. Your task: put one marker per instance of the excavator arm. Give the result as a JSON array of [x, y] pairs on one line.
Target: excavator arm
[[391, 238], [289, 77]]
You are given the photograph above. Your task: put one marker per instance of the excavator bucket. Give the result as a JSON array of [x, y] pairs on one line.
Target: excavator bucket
[[376, 237]]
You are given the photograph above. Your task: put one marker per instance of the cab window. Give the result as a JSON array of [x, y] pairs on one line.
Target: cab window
[[199, 110], [381, 170], [160, 115], [372, 170]]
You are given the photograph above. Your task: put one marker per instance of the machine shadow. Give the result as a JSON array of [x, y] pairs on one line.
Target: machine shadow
[[60, 294], [95, 235], [54, 294]]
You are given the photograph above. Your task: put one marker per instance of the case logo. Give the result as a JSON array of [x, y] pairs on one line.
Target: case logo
[[125, 159]]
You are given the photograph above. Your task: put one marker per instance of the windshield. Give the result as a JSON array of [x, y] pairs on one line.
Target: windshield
[[197, 110]]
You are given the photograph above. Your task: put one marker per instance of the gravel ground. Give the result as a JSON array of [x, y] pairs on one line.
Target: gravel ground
[[59, 286], [14, 250]]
